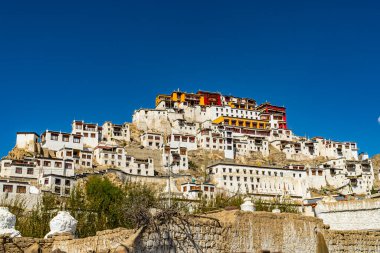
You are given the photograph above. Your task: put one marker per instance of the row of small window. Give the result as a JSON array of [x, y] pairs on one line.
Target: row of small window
[[213, 140], [150, 144], [84, 156], [184, 139], [9, 188], [58, 181], [183, 158], [54, 137], [221, 147], [113, 156], [263, 172], [139, 172], [150, 137], [245, 179], [57, 189], [29, 171], [238, 179], [88, 164], [314, 172], [79, 127], [264, 186], [56, 164], [251, 172], [187, 128], [234, 115], [92, 135], [236, 111], [139, 165]]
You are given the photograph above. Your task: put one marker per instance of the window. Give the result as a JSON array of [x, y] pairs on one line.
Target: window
[[67, 182], [21, 189], [30, 171], [69, 153], [65, 138], [18, 170], [92, 135], [7, 188], [68, 166], [46, 181], [58, 164], [58, 181], [76, 140], [54, 137], [57, 189], [47, 163], [85, 134]]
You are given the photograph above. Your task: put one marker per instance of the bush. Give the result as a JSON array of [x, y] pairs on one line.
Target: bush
[[97, 205]]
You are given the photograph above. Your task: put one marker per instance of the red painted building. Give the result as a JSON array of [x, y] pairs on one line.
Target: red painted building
[[279, 113], [210, 98]]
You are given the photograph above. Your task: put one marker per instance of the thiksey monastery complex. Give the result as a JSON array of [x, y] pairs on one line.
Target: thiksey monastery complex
[[238, 145]]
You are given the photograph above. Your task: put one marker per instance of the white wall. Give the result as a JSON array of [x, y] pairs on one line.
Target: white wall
[[350, 215]]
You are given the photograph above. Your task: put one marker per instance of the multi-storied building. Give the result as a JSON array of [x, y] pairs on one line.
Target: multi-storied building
[[180, 124], [152, 140], [175, 159], [116, 157], [91, 133], [266, 182], [115, 132], [55, 141]]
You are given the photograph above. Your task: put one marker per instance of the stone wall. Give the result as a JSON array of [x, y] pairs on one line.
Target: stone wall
[[227, 231], [352, 241], [350, 215]]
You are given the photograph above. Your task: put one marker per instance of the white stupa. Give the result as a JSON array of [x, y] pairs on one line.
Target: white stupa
[[247, 206], [7, 223], [62, 223]]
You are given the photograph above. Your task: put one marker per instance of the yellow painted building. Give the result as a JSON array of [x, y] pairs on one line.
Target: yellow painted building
[[162, 97], [249, 123], [181, 97]]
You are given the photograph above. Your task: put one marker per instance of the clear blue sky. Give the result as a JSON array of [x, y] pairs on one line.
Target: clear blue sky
[[97, 61]]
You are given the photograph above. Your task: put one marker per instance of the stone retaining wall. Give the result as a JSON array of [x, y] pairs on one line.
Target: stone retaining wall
[[352, 241], [227, 231]]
